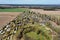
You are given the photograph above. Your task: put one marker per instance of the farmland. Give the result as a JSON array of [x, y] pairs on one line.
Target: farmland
[[12, 9], [33, 24], [6, 17]]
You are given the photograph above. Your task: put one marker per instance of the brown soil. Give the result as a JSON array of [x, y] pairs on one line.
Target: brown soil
[[6, 17]]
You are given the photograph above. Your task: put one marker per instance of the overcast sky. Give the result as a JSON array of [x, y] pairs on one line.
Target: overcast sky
[[29, 1]]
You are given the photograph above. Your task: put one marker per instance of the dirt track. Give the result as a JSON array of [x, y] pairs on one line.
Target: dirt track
[[6, 17]]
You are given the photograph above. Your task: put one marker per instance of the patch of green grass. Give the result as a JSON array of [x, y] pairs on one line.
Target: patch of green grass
[[33, 35], [13, 10]]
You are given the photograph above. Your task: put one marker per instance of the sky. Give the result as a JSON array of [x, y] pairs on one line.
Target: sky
[[29, 1]]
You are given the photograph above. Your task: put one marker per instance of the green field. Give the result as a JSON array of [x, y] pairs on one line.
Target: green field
[[13, 10]]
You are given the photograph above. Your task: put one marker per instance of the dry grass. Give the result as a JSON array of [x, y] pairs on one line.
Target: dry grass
[[46, 12]]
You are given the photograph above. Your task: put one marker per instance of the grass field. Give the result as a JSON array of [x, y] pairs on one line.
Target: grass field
[[13, 10]]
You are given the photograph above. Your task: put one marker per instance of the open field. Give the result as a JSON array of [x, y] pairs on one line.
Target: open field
[[36, 25], [46, 12], [13, 10], [8, 14], [6, 17], [26, 27]]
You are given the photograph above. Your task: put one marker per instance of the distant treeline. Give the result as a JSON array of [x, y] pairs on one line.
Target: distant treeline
[[32, 7]]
